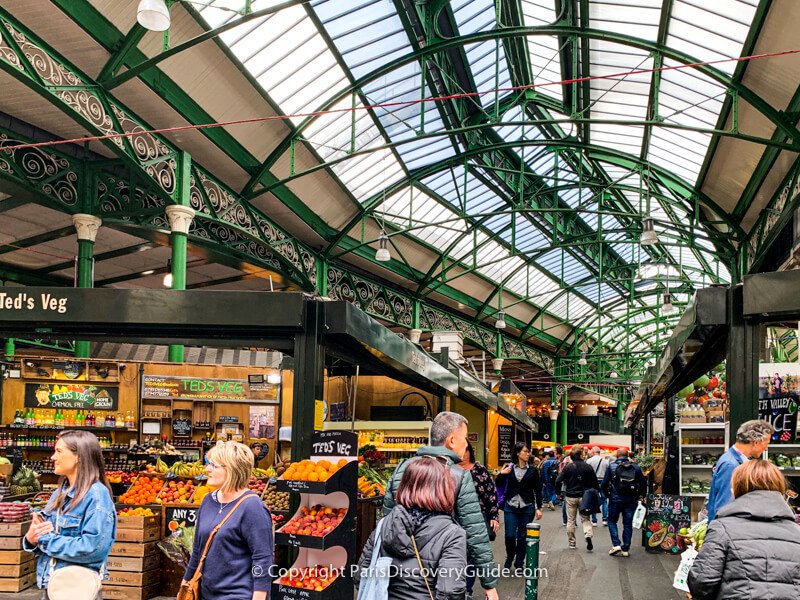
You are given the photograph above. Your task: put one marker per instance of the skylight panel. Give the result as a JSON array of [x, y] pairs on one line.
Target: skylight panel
[[544, 50], [473, 16], [623, 16], [367, 174], [489, 70]]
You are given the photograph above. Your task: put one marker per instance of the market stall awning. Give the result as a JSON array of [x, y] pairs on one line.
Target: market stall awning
[[772, 294], [517, 417], [697, 344]]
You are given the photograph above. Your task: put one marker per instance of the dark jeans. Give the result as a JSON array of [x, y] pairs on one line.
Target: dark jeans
[[550, 492], [516, 520], [603, 506], [564, 511], [626, 509]]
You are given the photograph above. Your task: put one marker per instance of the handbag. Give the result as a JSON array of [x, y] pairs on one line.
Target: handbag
[[72, 582], [421, 568], [501, 492], [375, 584], [590, 502], [190, 590]]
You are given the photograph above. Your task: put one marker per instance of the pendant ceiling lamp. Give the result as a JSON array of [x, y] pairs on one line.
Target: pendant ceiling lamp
[[649, 236], [582, 360], [382, 254], [500, 323], [167, 281], [666, 303], [153, 15]]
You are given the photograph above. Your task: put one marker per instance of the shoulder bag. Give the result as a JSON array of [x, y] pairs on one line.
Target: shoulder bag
[[191, 589], [72, 582], [375, 583], [421, 568]]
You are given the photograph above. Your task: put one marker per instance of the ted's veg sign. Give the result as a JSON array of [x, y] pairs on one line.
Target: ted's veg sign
[[81, 396]]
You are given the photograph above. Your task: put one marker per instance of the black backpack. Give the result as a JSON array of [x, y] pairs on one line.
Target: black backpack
[[552, 471], [625, 479]]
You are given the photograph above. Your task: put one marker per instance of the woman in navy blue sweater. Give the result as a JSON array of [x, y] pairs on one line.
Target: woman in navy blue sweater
[[240, 558]]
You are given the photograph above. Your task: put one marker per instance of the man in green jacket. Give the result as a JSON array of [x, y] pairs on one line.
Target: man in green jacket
[[448, 443]]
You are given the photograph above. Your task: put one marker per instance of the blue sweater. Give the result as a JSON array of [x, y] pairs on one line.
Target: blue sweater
[[240, 557], [720, 493]]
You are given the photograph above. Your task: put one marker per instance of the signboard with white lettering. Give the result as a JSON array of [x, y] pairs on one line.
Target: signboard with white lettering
[[781, 413], [80, 396], [505, 443]]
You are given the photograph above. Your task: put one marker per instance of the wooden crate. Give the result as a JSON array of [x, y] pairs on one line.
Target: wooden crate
[[119, 592], [18, 570], [133, 579], [138, 522], [134, 549], [148, 534], [133, 564], [15, 557], [14, 529], [17, 584], [10, 543]]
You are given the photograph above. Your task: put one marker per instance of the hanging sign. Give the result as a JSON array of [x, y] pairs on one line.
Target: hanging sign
[[667, 516], [177, 517], [781, 413], [156, 387], [505, 443], [181, 427], [80, 396], [334, 443]]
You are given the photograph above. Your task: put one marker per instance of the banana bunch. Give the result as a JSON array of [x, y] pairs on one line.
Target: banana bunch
[[263, 473], [194, 469], [161, 466], [698, 534]]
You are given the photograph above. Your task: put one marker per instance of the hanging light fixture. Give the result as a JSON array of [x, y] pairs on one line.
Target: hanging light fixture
[[382, 254], [649, 236], [666, 303], [153, 15], [582, 360], [613, 375], [501, 320], [167, 281]]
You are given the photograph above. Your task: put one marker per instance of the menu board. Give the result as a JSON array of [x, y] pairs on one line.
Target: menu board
[[781, 413], [177, 517], [666, 516], [181, 427], [156, 387], [505, 443]]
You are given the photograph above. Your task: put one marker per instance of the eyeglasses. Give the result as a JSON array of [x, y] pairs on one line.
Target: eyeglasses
[[215, 465]]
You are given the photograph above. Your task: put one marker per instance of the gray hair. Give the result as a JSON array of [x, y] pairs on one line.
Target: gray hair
[[753, 431], [444, 425], [596, 450]]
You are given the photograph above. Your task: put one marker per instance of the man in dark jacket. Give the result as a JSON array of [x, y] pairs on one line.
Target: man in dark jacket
[[549, 474], [623, 484], [577, 477], [448, 443]]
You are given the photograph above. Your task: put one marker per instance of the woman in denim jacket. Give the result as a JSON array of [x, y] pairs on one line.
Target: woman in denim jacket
[[83, 506]]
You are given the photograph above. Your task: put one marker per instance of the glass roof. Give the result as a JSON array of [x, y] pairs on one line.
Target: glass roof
[[545, 199]]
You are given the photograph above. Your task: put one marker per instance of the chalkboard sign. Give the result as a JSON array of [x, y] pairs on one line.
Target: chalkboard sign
[[177, 517], [666, 516], [228, 419], [181, 427], [505, 443], [781, 413], [334, 443]]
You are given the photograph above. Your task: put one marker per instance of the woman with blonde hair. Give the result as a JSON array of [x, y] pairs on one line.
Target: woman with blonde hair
[[751, 547], [79, 523], [237, 562]]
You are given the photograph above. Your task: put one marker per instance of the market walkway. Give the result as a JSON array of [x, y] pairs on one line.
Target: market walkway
[[571, 574], [581, 575]]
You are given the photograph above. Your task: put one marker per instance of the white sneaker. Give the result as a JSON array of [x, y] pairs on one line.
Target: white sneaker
[[614, 550], [605, 523], [626, 554]]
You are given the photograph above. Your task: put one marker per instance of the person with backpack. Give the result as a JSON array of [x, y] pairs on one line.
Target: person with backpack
[[577, 477], [549, 475], [623, 484], [448, 444]]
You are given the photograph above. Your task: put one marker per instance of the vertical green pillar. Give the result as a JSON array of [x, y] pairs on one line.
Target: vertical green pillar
[[563, 417], [322, 276], [86, 226], [620, 407], [180, 218], [9, 348], [553, 407]]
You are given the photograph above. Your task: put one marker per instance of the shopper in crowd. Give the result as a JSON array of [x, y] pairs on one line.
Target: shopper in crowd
[[752, 439], [487, 497], [549, 474], [523, 502], [577, 477], [79, 523], [563, 461], [623, 484], [448, 443], [260, 452], [420, 533], [752, 546], [599, 464], [239, 558]]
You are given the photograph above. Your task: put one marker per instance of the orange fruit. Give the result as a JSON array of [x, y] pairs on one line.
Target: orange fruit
[[313, 476], [342, 462]]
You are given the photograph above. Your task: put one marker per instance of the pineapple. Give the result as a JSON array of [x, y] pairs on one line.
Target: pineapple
[[25, 481]]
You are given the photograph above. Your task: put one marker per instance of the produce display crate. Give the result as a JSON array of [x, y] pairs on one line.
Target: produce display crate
[[115, 592], [134, 564], [127, 578], [146, 534], [17, 567], [17, 584], [134, 550], [139, 522]]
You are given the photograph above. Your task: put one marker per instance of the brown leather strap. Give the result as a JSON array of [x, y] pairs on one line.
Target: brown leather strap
[[421, 568], [198, 572]]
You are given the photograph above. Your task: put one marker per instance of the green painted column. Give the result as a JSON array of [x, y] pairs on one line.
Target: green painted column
[[9, 348], [86, 227], [180, 218], [322, 276], [553, 407], [563, 418]]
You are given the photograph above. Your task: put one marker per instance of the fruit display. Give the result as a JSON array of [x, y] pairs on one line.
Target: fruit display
[[784, 460], [370, 482], [280, 466], [120, 477], [278, 519], [180, 469], [14, 512], [275, 500], [143, 491], [176, 492], [154, 447], [317, 521], [136, 512], [25, 481], [310, 578], [264, 473], [697, 533], [160, 467], [257, 485], [308, 470], [201, 492]]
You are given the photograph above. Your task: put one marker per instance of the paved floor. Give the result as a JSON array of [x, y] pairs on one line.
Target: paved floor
[[571, 574]]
